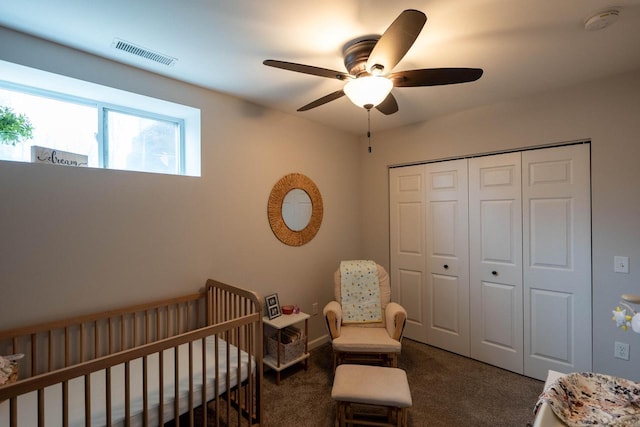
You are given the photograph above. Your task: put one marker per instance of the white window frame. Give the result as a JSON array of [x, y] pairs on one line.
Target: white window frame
[[41, 83]]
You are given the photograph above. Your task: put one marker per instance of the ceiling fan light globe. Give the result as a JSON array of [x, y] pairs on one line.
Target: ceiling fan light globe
[[368, 90]]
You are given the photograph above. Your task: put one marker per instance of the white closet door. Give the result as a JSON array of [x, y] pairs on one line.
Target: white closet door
[[495, 234], [557, 254], [447, 277], [407, 246]]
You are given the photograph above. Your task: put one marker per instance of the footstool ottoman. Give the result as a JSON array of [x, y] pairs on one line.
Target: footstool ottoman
[[359, 388]]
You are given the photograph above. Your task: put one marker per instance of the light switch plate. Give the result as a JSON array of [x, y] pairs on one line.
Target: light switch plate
[[621, 264]]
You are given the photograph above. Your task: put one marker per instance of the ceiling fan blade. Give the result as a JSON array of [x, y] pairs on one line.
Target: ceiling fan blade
[[321, 101], [307, 69], [397, 40], [388, 106], [435, 76]]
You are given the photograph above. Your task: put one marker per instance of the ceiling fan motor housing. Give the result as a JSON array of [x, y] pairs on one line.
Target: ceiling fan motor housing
[[356, 55]]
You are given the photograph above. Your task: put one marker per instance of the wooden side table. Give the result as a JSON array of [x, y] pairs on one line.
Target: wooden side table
[[279, 323]]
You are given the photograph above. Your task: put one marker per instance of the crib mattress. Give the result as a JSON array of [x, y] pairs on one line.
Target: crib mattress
[[27, 404]]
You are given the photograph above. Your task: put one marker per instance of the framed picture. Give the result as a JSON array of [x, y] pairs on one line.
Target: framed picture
[[272, 306]]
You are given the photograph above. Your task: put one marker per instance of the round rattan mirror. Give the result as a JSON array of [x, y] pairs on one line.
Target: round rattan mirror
[[293, 228]]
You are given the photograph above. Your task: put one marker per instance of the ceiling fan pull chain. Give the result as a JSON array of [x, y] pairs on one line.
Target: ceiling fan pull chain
[[369, 127]]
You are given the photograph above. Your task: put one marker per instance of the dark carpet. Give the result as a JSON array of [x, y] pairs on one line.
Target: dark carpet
[[447, 390]]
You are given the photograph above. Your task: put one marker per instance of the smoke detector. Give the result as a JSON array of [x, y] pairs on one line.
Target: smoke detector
[[601, 20]]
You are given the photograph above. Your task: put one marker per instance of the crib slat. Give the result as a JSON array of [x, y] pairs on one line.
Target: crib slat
[[50, 355], [82, 332], [228, 373], [188, 310], [110, 348], [122, 320], [96, 337], [157, 324], [135, 331], [176, 381], [191, 384], [239, 388], [204, 382], [87, 400], [65, 403], [145, 392], [167, 323], [127, 393], [107, 385], [66, 347], [14, 342], [33, 355], [177, 321], [41, 407], [13, 412], [217, 379], [161, 386], [146, 327]]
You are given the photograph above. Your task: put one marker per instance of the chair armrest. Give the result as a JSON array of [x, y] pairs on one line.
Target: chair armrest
[[332, 313], [395, 317]]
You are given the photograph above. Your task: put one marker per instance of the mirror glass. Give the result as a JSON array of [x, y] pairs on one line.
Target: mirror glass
[[296, 209]]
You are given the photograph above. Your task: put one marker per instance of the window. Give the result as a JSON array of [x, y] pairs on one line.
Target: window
[[56, 124], [142, 144], [137, 133]]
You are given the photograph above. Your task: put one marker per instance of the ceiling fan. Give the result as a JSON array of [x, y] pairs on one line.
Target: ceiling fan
[[369, 62]]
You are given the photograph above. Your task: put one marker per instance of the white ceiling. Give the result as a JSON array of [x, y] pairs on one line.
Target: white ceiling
[[524, 46]]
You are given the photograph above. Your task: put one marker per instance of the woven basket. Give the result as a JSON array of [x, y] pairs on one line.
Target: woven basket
[[288, 352]]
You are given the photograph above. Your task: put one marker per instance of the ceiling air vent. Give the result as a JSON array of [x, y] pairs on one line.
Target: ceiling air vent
[[142, 52]]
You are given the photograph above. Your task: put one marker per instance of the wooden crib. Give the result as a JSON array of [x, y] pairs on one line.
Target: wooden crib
[[127, 366]]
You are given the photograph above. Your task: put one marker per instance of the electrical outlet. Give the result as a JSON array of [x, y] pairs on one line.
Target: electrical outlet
[[621, 350], [314, 308]]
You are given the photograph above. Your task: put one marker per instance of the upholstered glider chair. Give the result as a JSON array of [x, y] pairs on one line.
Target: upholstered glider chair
[[364, 325]]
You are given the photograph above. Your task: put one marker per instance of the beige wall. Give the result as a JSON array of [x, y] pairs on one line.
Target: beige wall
[[607, 112], [76, 240]]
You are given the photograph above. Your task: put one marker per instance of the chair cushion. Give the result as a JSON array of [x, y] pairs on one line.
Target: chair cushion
[[373, 385], [355, 339]]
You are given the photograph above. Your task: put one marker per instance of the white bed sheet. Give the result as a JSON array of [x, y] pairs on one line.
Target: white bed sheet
[[545, 416], [27, 404]]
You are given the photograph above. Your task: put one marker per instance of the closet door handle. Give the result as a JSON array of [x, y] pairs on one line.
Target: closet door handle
[[446, 266], [495, 273]]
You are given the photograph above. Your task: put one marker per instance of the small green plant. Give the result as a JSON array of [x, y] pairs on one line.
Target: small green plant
[[14, 127]]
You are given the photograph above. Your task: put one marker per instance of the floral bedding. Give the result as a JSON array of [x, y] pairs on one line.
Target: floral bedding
[[588, 399]]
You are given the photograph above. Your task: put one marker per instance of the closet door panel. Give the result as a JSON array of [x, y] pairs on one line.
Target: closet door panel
[[445, 316], [447, 286], [407, 246], [556, 317], [495, 241], [557, 254], [497, 320], [498, 237]]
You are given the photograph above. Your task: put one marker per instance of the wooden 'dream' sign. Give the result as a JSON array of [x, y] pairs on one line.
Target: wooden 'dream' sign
[[279, 226]]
